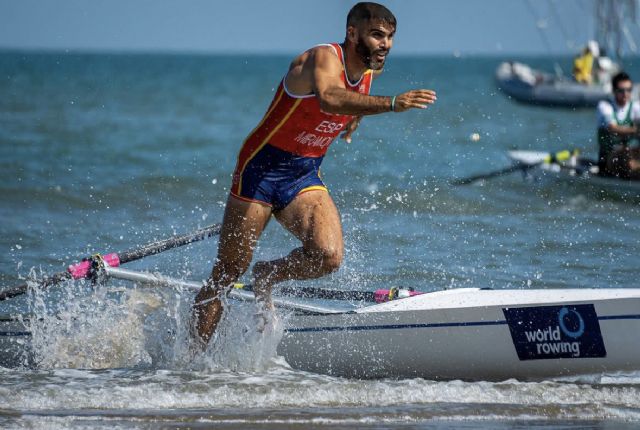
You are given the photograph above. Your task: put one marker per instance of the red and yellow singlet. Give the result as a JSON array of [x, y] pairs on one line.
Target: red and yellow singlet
[[294, 128]]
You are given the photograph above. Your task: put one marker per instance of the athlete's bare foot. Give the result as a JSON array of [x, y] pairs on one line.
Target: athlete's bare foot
[[265, 319], [199, 318]]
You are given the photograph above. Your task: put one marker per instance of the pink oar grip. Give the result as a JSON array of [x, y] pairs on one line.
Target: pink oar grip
[[81, 269], [381, 296]]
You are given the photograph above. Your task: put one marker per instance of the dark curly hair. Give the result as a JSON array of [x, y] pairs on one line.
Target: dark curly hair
[[369, 11]]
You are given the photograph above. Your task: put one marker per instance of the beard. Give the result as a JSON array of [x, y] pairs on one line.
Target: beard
[[368, 55]]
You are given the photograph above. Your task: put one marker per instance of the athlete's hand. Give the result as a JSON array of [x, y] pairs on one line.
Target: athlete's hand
[[414, 99], [350, 128]]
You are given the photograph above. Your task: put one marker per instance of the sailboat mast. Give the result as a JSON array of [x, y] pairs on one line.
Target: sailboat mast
[[612, 17]]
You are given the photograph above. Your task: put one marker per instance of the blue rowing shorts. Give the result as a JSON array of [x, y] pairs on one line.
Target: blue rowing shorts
[[275, 177]]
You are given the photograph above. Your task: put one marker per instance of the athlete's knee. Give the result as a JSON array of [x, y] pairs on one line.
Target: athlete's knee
[[329, 257], [332, 259]]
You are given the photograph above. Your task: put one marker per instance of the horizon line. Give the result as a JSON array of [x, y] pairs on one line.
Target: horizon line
[[279, 53]]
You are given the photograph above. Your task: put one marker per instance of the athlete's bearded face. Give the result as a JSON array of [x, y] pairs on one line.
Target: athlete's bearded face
[[374, 43]]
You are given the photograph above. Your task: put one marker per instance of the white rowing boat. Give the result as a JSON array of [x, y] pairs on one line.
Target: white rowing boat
[[579, 171], [472, 334], [527, 85]]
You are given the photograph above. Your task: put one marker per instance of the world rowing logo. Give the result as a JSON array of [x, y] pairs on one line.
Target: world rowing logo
[[545, 332], [571, 316]]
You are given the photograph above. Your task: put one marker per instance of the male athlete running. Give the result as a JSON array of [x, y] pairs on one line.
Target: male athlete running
[[325, 92]]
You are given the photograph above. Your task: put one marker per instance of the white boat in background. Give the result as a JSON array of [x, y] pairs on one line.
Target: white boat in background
[[616, 26], [531, 86], [579, 171], [470, 334]]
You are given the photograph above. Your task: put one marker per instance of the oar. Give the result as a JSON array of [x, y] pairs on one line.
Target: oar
[[507, 170], [159, 280], [83, 269], [519, 166], [316, 293], [378, 296]]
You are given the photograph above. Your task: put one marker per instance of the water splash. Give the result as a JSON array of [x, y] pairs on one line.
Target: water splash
[[100, 327], [242, 342]]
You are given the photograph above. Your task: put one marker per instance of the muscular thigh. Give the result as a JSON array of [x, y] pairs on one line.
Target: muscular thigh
[[314, 219], [242, 226]]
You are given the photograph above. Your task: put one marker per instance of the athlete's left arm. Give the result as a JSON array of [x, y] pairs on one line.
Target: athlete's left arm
[[350, 128]]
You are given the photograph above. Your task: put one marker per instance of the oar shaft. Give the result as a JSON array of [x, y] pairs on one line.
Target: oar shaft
[[82, 269], [523, 165], [501, 172], [158, 280], [378, 296], [21, 289], [174, 242], [327, 294]]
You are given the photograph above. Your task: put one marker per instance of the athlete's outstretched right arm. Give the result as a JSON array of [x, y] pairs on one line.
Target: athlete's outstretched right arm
[[334, 97]]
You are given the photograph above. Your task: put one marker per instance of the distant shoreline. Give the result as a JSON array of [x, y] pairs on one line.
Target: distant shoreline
[[195, 53]]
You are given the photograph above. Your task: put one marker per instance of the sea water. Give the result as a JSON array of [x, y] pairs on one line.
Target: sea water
[[105, 152]]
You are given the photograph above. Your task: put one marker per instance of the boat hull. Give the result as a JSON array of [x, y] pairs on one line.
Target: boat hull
[[15, 342], [530, 86], [468, 334], [584, 174], [472, 338]]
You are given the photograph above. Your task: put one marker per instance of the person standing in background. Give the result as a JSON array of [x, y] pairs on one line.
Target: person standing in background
[[618, 122], [583, 64]]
